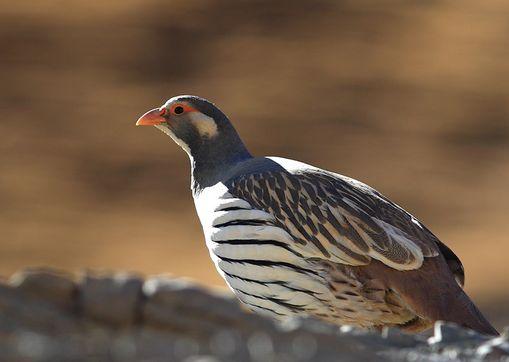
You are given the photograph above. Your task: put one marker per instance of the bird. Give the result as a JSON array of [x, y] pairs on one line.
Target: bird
[[294, 240]]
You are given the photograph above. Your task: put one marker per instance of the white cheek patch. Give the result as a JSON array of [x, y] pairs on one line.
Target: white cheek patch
[[177, 140], [205, 125]]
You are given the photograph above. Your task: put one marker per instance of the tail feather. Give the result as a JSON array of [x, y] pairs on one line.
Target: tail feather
[[432, 293], [445, 300], [461, 310]]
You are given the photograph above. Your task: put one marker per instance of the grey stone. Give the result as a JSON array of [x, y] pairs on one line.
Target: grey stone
[[51, 285], [165, 319], [494, 349], [17, 309], [181, 304], [182, 292], [446, 332], [202, 359], [114, 299], [399, 338]]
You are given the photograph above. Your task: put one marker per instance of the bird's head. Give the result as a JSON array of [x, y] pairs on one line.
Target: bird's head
[[203, 131], [192, 122]]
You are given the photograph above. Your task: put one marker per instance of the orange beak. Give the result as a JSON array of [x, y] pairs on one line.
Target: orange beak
[[151, 118]]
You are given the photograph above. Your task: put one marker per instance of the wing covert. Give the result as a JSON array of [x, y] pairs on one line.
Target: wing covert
[[332, 217]]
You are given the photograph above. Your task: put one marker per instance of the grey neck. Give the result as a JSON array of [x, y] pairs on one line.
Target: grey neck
[[210, 165]]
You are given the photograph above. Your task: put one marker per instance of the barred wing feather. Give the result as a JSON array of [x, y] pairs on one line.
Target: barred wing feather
[[332, 217]]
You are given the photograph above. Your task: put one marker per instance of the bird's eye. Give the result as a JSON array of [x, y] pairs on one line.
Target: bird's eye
[[178, 110]]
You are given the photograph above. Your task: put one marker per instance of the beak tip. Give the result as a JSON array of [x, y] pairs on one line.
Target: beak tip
[[151, 118]]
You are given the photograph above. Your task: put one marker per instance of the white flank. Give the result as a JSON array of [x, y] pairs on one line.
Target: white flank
[[246, 232], [223, 217]]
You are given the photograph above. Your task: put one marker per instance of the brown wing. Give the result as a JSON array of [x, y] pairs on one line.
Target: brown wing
[[338, 219]]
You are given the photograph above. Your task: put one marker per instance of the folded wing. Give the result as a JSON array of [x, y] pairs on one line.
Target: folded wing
[[332, 217]]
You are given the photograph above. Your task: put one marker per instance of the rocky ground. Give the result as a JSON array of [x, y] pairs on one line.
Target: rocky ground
[[48, 315]]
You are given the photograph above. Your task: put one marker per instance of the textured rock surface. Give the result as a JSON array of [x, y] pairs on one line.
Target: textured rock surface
[[46, 315]]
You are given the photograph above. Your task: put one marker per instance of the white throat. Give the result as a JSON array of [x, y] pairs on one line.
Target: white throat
[[164, 128]]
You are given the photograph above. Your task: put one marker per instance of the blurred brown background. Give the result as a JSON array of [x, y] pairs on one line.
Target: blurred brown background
[[410, 97]]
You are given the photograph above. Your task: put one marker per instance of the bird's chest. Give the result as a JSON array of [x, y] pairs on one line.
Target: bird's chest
[[256, 258], [234, 230]]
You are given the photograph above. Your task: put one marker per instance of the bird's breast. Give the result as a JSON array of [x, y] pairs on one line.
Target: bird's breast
[[257, 258]]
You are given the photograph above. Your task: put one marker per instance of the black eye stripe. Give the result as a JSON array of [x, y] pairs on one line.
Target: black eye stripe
[[178, 110]]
